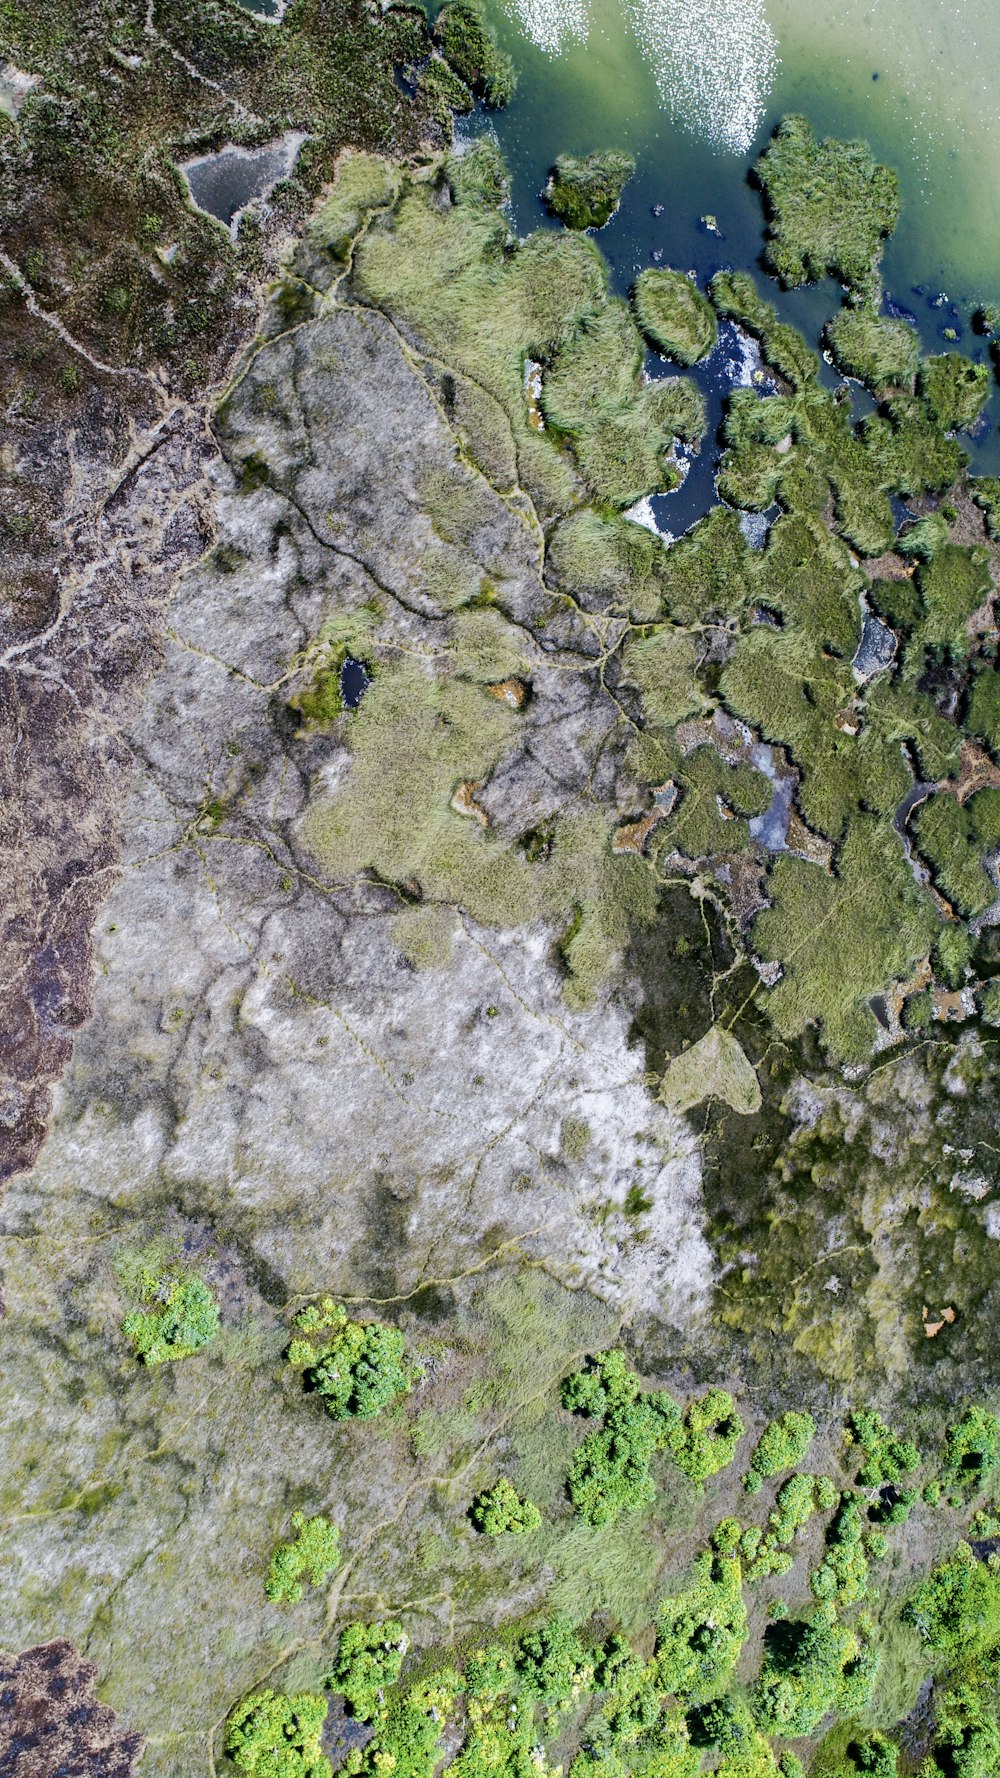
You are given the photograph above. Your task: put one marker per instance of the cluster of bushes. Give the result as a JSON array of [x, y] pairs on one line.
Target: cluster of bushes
[[610, 1470], [811, 1668], [270, 1735], [312, 1554], [180, 1317], [358, 1368], [654, 1715], [782, 1445], [500, 1510], [886, 1458]]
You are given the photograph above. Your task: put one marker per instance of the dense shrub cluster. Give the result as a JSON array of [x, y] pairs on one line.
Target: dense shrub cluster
[[782, 1445], [181, 1316], [270, 1735], [356, 1367], [369, 1658], [500, 1509], [886, 1457], [609, 1473], [312, 1554]]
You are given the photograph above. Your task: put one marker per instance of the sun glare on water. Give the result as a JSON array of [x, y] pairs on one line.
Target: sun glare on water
[[713, 60]]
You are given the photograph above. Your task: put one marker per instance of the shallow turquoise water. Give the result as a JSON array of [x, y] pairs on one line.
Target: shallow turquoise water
[[912, 76]]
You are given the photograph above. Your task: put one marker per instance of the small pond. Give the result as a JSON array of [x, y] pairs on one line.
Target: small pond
[[223, 184]]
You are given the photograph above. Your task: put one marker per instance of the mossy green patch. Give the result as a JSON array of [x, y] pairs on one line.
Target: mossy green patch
[[830, 207], [674, 315], [840, 939], [584, 192], [880, 350]]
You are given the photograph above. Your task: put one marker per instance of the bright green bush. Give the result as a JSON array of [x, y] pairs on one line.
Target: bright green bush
[[971, 1449], [810, 1669], [966, 1741], [699, 1634], [313, 1553], [606, 1380], [609, 1473], [270, 1735], [356, 1367], [408, 1730], [550, 1664], [369, 1658], [782, 1444], [843, 1573], [500, 1509], [181, 1317], [957, 1608], [706, 1438], [886, 1457]]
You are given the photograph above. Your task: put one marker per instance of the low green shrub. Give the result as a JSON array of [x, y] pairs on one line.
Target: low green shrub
[[500, 1509], [356, 1367], [180, 1318], [886, 1458], [313, 1553], [700, 1633], [705, 1439], [270, 1735], [971, 1450], [369, 1658], [782, 1444]]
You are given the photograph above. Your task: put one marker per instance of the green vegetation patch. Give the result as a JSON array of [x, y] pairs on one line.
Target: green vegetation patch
[[180, 1317], [358, 1368], [362, 183], [610, 1470], [956, 839], [270, 1735], [674, 315], [585, 192], [782, 1445], [886, 1456], [705, 1438], [881, 351], [312, 1554], [369, 1658], [500, 1510], [841, 938], [830, 207], [701, 1632], [810, 1669], [954, 389], [469, 43]]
